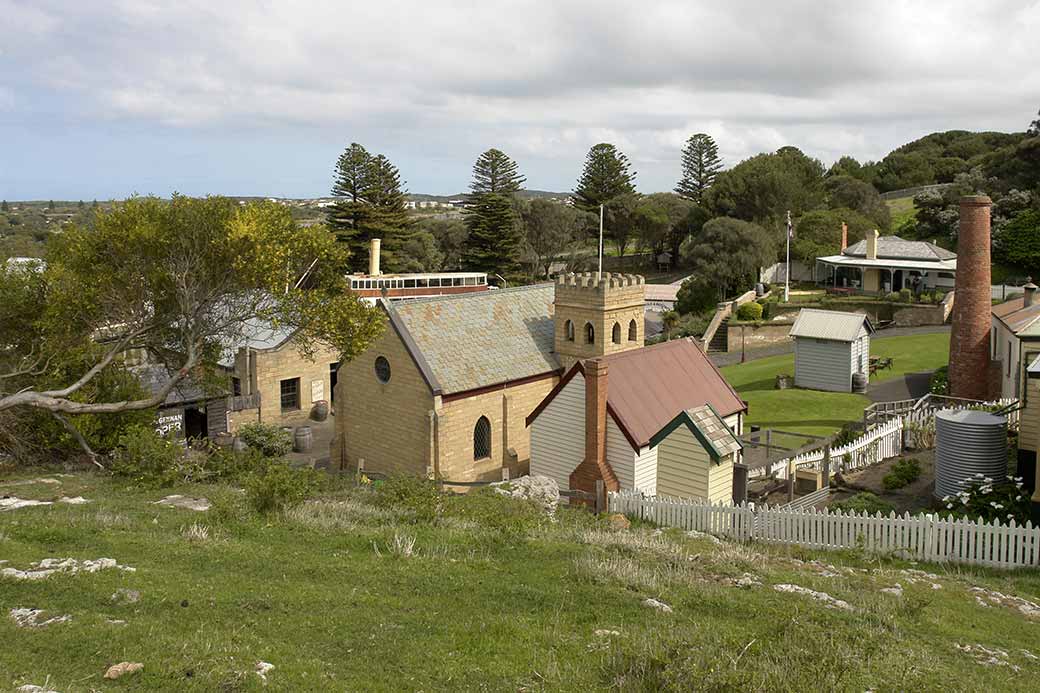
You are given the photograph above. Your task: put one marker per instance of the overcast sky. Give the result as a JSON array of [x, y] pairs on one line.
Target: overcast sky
[[105, 98]]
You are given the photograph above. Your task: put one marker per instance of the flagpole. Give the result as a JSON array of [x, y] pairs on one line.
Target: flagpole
[[600, 275], [787, 267]]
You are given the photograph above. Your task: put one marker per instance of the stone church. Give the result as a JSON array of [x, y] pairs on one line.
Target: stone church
[[446, 389]]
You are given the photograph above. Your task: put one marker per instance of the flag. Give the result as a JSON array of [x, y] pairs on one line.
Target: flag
[[790, 226]]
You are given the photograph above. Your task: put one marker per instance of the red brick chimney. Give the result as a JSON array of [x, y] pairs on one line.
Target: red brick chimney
[[844, 237], [970, 375], [595, 466]]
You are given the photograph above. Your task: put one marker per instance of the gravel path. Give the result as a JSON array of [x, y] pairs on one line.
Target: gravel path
[[788, 347]]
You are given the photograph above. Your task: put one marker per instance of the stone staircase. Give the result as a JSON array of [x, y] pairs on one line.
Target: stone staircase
[[719, 343]]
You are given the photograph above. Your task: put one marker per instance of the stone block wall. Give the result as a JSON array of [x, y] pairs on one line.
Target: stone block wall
[[507, 410], [602, 302], [385, 424], [271, 366]]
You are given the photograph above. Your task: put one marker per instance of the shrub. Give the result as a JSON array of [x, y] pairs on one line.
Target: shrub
[[145, 457], [848, 433], [940, 382], [750, 312], [276, 487], [906, 296], [986, 500], [892, 297], [270, 441], [420, 497], [512, 518], [225, 464], [864, 502], [903, 472]]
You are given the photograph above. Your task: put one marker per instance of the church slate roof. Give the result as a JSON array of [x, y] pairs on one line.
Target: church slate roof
[[469, 341], [896, 248]]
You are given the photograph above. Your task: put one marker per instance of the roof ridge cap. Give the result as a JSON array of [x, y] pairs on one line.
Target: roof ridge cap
[[474, 294]]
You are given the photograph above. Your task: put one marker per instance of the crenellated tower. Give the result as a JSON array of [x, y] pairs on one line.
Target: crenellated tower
[[597, 315]]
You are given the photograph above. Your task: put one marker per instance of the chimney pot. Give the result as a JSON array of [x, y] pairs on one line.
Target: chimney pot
[[872, 238], [373, 256], [1030, 292], [844, 236]]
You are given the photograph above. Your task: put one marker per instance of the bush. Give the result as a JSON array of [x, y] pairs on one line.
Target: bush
[[695, 297], [865, 502], [903, 472], [940, 382], [848, 433], [420, 497], [906, 296], [276, 487], [145, 457], [512, 518], [892, 297], [269, 440], [986, 500], [750, 312]]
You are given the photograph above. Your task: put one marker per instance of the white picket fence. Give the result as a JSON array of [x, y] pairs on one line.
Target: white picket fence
[[921, 537], [879, 443]]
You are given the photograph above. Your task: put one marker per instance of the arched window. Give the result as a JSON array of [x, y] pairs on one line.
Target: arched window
[[482, 439], [615, 334], [633, 331], [590, 333], [568, 329]]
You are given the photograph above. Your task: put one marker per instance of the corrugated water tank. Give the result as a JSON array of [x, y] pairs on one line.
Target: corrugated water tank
[[968, 443]]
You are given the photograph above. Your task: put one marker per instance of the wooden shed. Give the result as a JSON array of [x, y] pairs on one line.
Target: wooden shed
[[695, 456], [829, 347]]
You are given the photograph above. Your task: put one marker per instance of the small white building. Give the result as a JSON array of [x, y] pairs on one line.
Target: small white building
[[619, 405], [829, 347], [696, 452]]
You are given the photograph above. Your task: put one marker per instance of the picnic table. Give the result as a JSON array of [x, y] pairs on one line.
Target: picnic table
[[878, 363]]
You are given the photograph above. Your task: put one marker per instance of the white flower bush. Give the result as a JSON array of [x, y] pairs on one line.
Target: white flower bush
[[985, 499]]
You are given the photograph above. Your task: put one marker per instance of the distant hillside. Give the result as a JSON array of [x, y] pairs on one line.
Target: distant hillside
[[940, 157], [524, 194]]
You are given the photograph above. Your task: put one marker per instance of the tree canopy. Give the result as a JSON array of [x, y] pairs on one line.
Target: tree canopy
[[552, 231], [763, 188], [728, 253], [605, 177], [181, 280], [818, 233], [700, 165], [494, 241], [372, 206]]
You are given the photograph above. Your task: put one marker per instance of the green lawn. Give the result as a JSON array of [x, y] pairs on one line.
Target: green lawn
[[483, 603], [823, 413], [902, 210]]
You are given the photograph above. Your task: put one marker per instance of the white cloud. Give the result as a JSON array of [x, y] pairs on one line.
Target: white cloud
[[542, 79]]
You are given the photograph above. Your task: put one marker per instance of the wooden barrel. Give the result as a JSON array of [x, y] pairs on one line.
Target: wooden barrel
[[302, 439], [859, 382], [320, 411]]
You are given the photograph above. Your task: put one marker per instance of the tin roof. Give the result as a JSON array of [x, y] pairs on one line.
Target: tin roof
[[707, 426], [1019, 318], [647, 387], [896, 248], [153, 377], [829, 324], [467, 341]]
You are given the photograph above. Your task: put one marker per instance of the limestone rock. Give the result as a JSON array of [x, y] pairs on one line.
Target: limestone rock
[[262, 669], [30, 618], [656, 604], [828, 601], [540, 489], [126, 596], [618, 521], [179, 501], [122, 669]]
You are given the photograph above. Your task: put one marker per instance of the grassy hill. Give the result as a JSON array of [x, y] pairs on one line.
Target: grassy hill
[[351, 592]]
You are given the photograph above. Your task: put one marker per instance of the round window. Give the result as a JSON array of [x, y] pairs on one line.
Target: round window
[[383, 369]]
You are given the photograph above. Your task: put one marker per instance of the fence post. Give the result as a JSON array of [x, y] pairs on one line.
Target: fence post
[[826, 466], [601, 500], [792, 472]]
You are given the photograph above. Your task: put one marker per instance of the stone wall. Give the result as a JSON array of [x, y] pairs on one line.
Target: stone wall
[[758, 334], [269, 367], [506, 409], [385, 424], [901, 314]]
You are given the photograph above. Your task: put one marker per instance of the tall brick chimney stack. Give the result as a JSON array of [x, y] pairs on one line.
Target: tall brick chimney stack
[[844, 236], [595, 466], [970, 375]]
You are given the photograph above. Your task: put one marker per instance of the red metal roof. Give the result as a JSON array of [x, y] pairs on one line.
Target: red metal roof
[[648, 387]]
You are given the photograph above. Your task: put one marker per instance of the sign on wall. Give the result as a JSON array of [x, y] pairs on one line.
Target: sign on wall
[[170, 423], [317, 390]]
